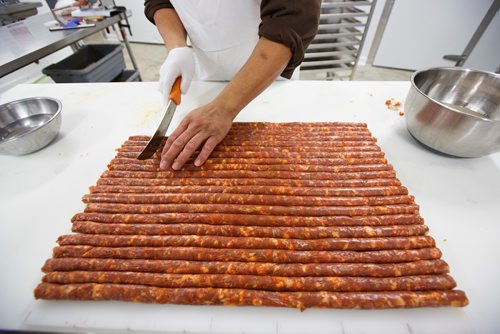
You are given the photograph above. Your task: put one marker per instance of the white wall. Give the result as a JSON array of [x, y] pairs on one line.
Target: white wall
[[143, 31], [420, 32]]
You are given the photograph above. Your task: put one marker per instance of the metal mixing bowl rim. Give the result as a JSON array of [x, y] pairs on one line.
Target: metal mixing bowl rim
[[460, 69], [58, 111]]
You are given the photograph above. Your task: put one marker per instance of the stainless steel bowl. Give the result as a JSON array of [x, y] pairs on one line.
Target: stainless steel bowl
[[455, 110], [28, 125]]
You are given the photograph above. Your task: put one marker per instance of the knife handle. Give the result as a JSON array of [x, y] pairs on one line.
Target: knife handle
[[175, 93]]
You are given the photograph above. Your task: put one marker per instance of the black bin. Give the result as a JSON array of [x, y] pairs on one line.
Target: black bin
[[92, 63]]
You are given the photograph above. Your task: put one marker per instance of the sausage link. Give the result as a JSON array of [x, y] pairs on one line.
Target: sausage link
[[339, 141], [137, 166], [255, 255], [270, 149], [278, 154], [253, 190], [266, 161], [225, 182], [423, 267], [298, 125], [240, 297], [254, 209], [251, 174], [257, 282], [245, 199], [248, 220], [357, 244], [317, 232]]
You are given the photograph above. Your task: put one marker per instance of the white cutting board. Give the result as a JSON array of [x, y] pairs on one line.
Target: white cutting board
[[99, 117], [229, 319]]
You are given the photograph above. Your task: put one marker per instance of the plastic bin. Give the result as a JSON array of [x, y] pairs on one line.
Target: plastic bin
[[127, 76], [92, 63]]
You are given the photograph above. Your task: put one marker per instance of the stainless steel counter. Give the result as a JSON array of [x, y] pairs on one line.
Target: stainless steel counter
[[27, 41]]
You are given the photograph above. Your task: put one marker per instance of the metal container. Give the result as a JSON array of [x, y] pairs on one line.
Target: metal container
[[455, 111], [28, 125]]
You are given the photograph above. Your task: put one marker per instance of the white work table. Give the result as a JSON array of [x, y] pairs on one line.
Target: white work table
[[40, 192]]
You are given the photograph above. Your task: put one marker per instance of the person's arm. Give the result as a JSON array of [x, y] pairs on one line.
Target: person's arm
[[287, 28], [180, 59], [206, 126], [170, 28]]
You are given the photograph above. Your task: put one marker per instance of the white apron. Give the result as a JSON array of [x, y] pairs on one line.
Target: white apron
[[223, 34]]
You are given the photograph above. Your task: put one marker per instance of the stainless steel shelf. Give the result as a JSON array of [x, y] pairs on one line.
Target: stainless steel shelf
[[340, 37], [342, 4]]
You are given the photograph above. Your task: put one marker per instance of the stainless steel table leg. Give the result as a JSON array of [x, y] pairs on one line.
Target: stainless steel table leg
[[129, 50]]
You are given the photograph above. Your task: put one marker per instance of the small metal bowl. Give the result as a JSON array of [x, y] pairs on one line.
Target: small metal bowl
[[28, 125], [455, 111]]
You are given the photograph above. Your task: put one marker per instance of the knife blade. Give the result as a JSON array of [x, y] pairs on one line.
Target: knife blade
[[174, 99]]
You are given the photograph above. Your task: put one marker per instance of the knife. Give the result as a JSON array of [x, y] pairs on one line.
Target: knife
[[174, 99]]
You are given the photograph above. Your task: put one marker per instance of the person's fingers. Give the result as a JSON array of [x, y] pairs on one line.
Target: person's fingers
[[187, 77], [185, 84], [206, 150], [192, 145], [176, 133], [177, 146]]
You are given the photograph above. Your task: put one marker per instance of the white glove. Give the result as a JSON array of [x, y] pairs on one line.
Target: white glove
[[179, 62]]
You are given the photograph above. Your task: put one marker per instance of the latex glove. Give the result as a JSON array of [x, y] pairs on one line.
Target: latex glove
[[202, 128], [179, 62]]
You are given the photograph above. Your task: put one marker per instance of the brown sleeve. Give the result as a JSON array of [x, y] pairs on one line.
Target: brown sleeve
[[293, 23], [151, 6]]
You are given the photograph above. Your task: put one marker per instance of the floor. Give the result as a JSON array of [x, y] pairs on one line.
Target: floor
[[149, 58]]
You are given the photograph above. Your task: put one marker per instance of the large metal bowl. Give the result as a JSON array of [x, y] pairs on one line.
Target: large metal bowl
[[455, 111], [28, 125]]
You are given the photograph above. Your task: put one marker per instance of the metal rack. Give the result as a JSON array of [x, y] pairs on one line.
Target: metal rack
[[336, 48]]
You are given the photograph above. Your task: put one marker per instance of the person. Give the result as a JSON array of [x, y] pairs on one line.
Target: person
[[246, 42]]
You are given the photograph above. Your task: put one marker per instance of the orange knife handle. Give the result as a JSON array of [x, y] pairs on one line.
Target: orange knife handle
[[175, 93]]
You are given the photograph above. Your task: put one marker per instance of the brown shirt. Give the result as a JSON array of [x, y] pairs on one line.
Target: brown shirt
[[293, 23]]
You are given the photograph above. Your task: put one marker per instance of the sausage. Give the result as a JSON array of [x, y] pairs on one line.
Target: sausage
[[298, 125], [254, 190], [278, 154], [253, 209], [297, 136], [225, 182], [317, 232], [245, 199], [257, 168], [318, 148], [241, 297], [266, 161], [210, 241], [249, 220], [254, 148], [339, 141], [422, 267], [298, 215], [282, 145], [276, 135], [251, 174], [257, 282], [255, 255]]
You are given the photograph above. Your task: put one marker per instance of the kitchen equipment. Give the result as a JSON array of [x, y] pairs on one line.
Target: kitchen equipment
[[455, 110], [28, 125], [155, 141], [15, 10]]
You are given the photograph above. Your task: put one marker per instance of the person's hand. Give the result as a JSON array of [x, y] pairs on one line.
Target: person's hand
[[203, 128], [179, 62]]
